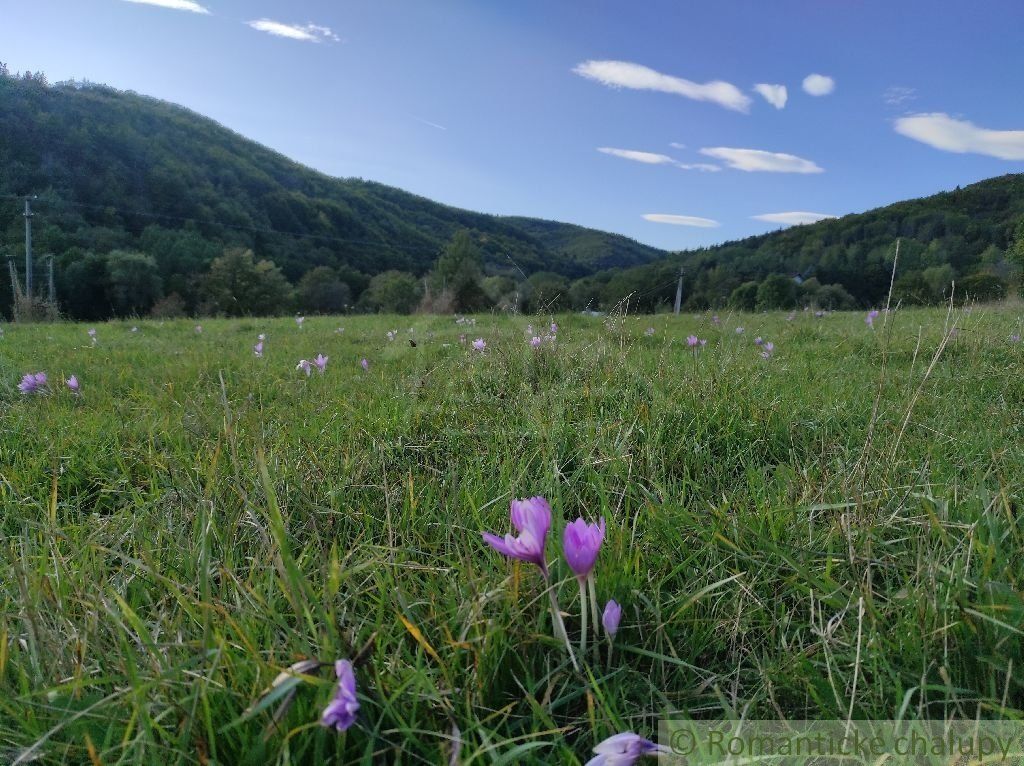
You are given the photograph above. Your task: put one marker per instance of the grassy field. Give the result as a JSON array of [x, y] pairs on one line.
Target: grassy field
[[835, 531]]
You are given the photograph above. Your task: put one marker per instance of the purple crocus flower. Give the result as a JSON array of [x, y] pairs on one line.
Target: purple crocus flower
[[554, 328], [739, 330], [304, 366], [692, 340], [92, 332], [341, 710], [623, 749], [321, 363], [299, 320], [1015, 338], [479, 344], [758, 340], [261, 337], [582, 542], [532, 519], [365, 364], [649, 332], [610, 618], [535, 341], [258, 349], [72, 384], [33, 383]]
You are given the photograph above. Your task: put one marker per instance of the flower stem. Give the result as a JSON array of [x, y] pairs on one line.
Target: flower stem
[[593, 600], [560, 632], [583, 617]]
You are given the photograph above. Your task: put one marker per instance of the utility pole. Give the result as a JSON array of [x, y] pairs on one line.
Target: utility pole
[[53, 289], [679, 291], [28, 247]]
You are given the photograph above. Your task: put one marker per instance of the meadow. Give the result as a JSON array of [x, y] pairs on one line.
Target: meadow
[[835, 531]]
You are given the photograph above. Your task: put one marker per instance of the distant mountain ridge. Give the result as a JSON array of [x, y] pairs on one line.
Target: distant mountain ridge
[[109, 165]]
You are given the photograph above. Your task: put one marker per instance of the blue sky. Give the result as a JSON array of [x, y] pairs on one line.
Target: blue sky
[[504, 107]]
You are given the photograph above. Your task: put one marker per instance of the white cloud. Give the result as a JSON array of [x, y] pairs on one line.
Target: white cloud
[[775, 95], [310, 33], [819, 85], [757, 160], [794, 218], [649, 158], [943, 132], [677, 145], [431, 124], [898, 94], [682, 220], [704, 167], [174, 5], [624, 74]]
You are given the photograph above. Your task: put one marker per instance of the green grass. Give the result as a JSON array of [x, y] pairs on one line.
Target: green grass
[[837, 531]]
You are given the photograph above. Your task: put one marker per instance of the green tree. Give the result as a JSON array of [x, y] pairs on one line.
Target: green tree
[[239, 285], [776, 292], [744, 297], [133, 282], [83, 286], [393, 292], [546, 291], [458, 274], [321, 291]]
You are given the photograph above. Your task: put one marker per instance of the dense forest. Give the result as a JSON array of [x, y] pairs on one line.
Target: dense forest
[[147, 207], [968, 243], [116, 172]]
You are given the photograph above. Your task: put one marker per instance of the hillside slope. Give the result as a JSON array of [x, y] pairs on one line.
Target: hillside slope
[[960, 235], [108, 165]]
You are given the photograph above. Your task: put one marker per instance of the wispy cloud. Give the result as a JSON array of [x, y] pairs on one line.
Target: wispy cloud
[[794, 218], [752, 160], [309, 33], [677, 145], [897, 95], [775, 95], [625, 74], [704, 167], [431, 124], [652, 158], [819, 84], [943, 132], [648, 158], [682, 220], [174, 5]]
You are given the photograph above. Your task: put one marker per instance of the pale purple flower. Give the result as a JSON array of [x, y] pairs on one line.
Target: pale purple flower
[[479, 344], [581, 543], [758, 340], [342, 709], [1015, 338], [299, 320], [72, 384], [529, 329], [715, 320], [321, 363], [554, 328], [340, 331], [532, 519], [391, 334], [692, 341], [610, 618], [819, 314], [33, 383], [365, 364], [258, 349], [92, 332], [649, 332], [623, 749], [304, 366], [135, 329], [535, 342], [739, 330], [261, 337], [199, 329], [767, 349], [703, 342]]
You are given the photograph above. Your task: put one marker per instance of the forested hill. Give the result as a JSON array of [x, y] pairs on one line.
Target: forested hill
[[116, 170], [972, 236]]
